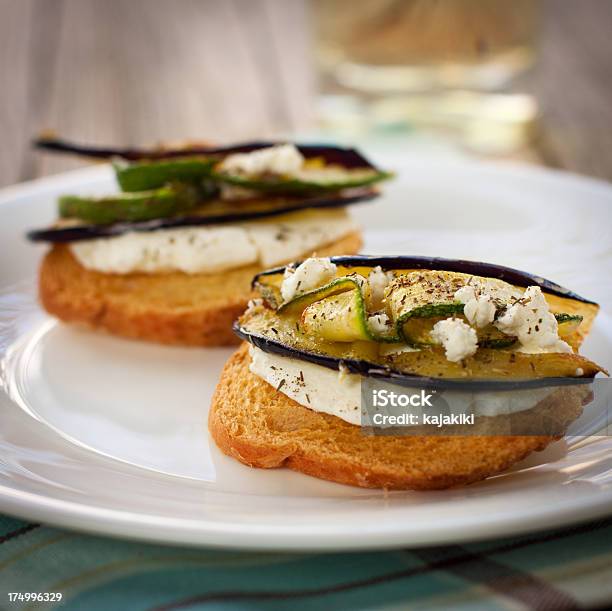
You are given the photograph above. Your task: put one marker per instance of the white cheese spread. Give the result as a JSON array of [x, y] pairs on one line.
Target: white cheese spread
[[278, 240], [458, 338], [491, 403], [339, 393], [311, 274], [211, 249], [282, 159], [531, 321], [320, 389], [188, 249]]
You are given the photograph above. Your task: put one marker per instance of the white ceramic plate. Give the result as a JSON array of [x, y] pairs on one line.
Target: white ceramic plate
[[109, 436]]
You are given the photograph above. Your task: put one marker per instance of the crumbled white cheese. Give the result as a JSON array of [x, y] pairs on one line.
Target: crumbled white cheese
[[310, 274], [498, 290], [458, 338], [282, 159], [377, 281], [479, 309], [530, 320], [218, 247], [379, 323]]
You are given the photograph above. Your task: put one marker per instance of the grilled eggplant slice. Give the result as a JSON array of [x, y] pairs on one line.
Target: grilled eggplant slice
[[416, 300], [213, 212], [334, 177], [263, 328], [291, 329], [333, 155]]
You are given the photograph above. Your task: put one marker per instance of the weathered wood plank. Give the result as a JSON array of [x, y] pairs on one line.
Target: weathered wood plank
[[292, 38], [143, 71], [574, 86], [14, 69]]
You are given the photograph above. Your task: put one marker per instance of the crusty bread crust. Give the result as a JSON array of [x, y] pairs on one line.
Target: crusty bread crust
[[260, 427], [169, 308]]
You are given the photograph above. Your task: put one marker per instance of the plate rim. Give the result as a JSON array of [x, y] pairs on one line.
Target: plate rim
[[201, 532]]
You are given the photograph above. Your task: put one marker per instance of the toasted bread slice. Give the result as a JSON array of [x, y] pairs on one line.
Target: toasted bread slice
[[261, 427], [170, 308]]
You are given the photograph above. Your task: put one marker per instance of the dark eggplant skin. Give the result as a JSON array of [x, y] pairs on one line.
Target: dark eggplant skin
[[347, 157], [476, 268], [364, 368], [89, 232]]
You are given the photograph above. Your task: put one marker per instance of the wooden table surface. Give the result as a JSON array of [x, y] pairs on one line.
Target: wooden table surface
[[143, 71]]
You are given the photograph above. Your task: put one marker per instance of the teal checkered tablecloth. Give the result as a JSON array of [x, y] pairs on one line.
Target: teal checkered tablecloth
[[561, 569]]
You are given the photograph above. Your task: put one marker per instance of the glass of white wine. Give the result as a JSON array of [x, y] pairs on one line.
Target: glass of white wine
[[450, 64]]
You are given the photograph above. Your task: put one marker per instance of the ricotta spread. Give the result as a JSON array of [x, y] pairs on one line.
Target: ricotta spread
[[287, 240], [211, 249], [339, 393], [318, 388], [311, 274], [531, 321], [491, 403], [458, 338], [282, 159], [188, 249]]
